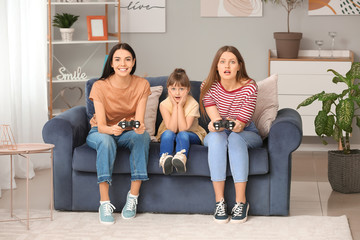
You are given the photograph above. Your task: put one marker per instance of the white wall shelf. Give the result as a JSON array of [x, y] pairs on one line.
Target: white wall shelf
[[84, 3], [52, 43]]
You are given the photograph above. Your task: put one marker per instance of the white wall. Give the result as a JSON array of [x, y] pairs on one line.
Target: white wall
[[191, 41]]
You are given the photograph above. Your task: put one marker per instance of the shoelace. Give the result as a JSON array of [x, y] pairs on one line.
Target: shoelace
[[108, 209], [238, 209], [220, 208], [131, 204]]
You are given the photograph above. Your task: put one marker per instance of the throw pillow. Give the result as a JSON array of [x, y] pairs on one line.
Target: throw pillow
[[151, 110], [267, 105]]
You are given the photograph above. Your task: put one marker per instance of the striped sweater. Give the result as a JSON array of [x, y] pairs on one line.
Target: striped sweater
[[238, 104]]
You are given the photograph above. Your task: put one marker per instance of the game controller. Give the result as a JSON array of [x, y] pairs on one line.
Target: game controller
[[132, 123], [224, 124]]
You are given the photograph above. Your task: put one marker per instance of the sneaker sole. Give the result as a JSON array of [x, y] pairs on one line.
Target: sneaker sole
[[221, 221], [179, 165], [127, 218], [106, 223], [242, 220], [168, 168]]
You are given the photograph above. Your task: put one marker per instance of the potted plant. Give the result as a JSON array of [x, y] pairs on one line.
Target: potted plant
[[335, 120], [64, 21], [287, 43]]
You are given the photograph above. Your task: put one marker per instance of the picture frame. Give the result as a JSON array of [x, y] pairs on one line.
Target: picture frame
[[97, 28]]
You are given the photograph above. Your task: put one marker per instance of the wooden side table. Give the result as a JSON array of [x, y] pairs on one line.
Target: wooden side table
[[24, 150]]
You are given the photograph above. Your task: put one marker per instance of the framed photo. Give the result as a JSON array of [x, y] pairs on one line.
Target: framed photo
[[97, 28]]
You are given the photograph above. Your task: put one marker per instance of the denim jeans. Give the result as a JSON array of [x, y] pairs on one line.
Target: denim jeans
[[106, 146], [236, 144], [183, 140]]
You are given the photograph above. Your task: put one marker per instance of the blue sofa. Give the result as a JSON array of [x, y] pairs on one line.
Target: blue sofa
[[75, 181]]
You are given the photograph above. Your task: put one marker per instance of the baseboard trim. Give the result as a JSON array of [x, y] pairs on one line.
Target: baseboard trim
[[321, 147]]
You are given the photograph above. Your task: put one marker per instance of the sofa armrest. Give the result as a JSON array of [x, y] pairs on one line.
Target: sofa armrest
[[284, 138], [66, 131]]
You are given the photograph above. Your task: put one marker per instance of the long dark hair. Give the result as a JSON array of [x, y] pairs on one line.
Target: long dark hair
[[108, 69], [214, 74]]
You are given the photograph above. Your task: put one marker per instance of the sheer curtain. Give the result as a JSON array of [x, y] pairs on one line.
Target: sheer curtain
[[23, 68]]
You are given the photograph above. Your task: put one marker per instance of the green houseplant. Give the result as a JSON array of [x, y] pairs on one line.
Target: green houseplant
[[335, 120], [64, 21], [287, 43]]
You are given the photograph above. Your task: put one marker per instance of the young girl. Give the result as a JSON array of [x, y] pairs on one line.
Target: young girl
[[229, 94], [180, 113], [119, 95]]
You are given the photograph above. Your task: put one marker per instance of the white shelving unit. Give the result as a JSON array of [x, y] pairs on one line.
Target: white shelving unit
[[55, 42], [305, 76]]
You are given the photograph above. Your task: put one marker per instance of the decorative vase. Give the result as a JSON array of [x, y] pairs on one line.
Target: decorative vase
[[287, 44], [67, 34], [343, 171]]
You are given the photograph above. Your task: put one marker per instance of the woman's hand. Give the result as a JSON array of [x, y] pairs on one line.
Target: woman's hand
[[116, 130], [141, 129], [239, 126], [211, 126]]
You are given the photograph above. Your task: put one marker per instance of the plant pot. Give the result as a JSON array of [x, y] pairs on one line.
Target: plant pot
[[344, 171], [287, 44], [67, 34]]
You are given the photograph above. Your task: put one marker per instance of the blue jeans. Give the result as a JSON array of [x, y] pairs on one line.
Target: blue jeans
[[236, 144], [106, 146], [183, 140]]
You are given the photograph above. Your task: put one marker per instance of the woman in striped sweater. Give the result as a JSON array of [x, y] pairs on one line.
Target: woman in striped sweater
[[228, 93]]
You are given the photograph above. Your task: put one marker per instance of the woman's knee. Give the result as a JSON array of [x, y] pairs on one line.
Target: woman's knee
[[236, 139], [215, 139], [141, 138], [101, 141], [245, 138]]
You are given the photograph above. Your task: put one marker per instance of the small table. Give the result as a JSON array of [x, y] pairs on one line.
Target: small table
[[23, 150]]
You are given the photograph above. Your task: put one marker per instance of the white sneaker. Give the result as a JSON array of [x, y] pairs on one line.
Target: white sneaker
[[179, 161], [166, 163]]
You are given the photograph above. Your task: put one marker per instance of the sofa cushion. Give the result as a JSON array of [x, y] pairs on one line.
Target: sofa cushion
[[267, 105], [151, 110], [197, 165]]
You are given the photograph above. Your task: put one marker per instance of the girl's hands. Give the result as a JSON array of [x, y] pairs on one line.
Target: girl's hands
[[172, 99], [183, 100]]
